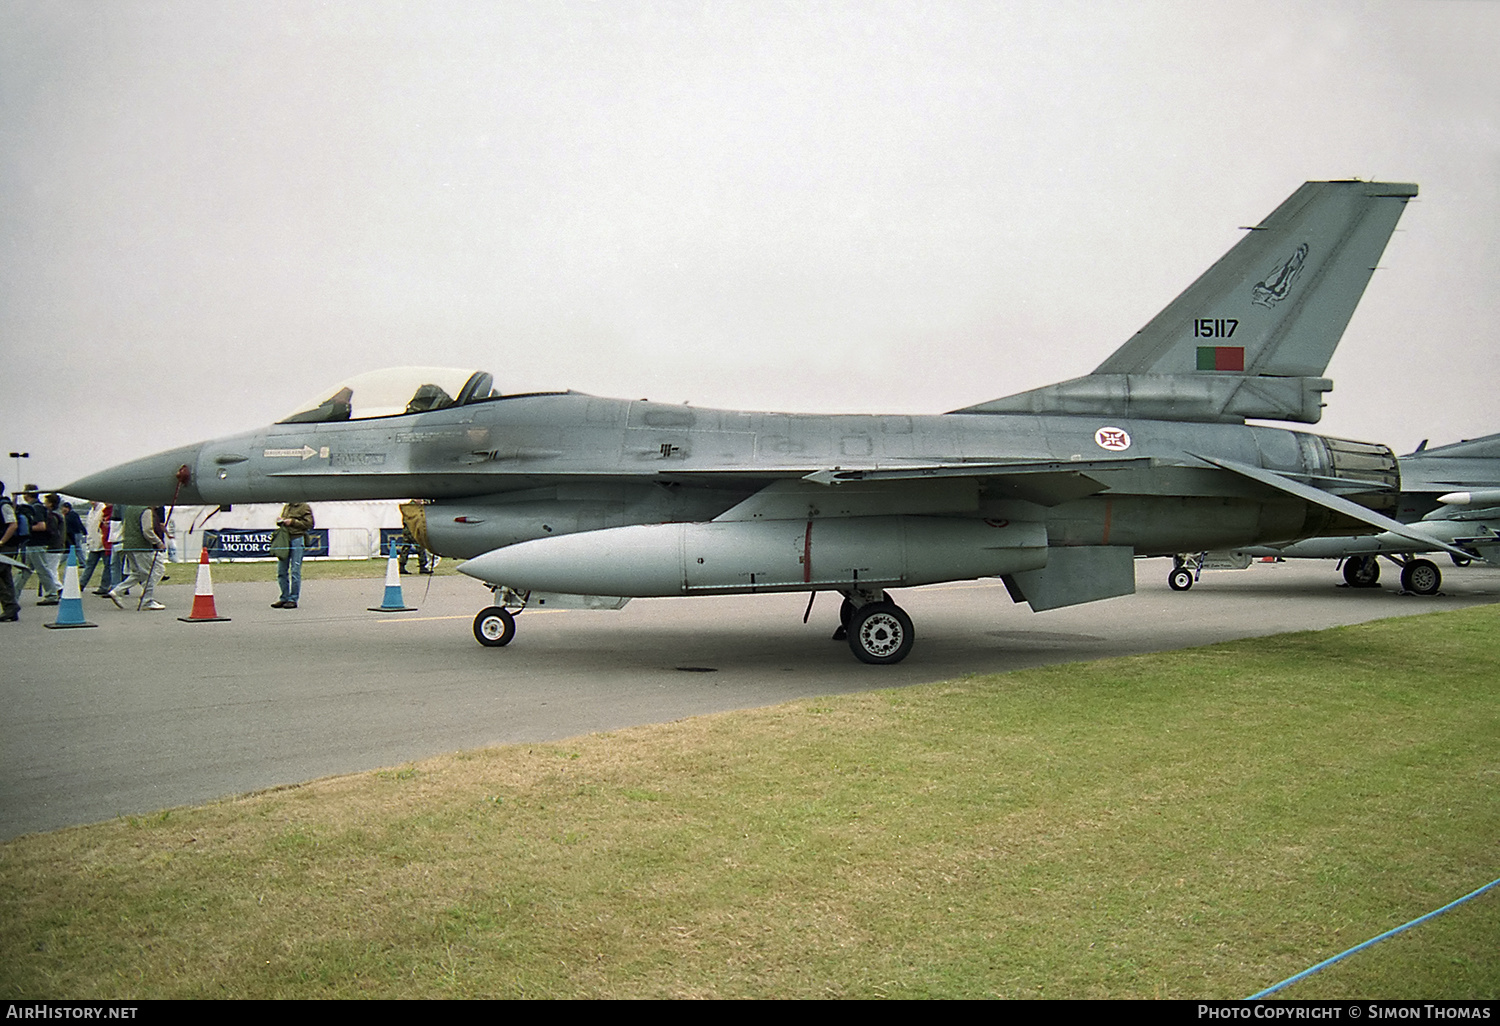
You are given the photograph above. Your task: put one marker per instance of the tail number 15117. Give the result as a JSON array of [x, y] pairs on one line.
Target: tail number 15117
[[1214, 327]]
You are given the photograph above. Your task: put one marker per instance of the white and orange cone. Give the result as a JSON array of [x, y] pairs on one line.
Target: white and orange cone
[[203, 596], [393, 601]]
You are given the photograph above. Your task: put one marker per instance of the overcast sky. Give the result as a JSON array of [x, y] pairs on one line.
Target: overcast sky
[[212, 210]]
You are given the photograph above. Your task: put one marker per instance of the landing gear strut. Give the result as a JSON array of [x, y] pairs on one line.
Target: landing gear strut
[[1185, 571]]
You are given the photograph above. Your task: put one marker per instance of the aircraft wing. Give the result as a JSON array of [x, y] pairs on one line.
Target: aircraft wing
[[925, 489], [1337, 504], [1005, 468]]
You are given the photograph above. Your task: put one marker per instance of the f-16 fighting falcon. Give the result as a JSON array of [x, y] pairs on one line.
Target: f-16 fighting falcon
[[1055, 490]]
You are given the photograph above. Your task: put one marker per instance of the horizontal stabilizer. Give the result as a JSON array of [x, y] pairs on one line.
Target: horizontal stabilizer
[[1489, 552], [1333, 502]]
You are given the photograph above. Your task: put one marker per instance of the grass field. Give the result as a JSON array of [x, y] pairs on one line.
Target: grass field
[[1193, 824]]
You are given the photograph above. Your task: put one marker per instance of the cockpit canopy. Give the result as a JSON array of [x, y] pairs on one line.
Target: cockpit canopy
[[393, 392]]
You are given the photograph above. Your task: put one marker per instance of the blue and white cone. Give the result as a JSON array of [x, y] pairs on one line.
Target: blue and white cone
[[393, 602], [70, 609]]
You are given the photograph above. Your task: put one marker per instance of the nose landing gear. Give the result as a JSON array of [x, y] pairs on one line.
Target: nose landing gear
[[495, 626]]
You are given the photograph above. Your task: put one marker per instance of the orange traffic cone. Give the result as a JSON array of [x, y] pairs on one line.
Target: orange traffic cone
[[203, 596]]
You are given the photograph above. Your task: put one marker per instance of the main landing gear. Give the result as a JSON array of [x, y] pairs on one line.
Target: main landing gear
[[878, 631], [1362, 571], [1421, 577], [1418, 576]]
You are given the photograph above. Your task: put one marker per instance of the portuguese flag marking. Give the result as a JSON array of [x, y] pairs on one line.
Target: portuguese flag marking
[[1221, 358]]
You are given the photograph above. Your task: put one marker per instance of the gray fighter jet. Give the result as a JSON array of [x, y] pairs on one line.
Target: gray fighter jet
[[1055, 491], [1449, 495]]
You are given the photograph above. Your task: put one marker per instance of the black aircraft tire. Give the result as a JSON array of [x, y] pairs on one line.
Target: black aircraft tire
[[1180, 579], [1421, 577], [494, 627], [880, 633], [1460, 561], [1362, 572]]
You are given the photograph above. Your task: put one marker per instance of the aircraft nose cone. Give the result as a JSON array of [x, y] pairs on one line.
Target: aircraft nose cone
[[150, 481]]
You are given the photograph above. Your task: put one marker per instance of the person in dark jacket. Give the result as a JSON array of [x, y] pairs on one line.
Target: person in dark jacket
[[10, 544], [44, 546], [297, 521], [75, 534]]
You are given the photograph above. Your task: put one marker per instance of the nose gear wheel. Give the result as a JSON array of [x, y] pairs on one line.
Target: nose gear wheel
[[494, 627]]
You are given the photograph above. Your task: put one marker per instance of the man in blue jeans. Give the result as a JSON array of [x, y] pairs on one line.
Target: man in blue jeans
[[297, 520]]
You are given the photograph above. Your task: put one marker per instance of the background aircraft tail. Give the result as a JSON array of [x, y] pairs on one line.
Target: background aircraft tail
[[1253, 335]]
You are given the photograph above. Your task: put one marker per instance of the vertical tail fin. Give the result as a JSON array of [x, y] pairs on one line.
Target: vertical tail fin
[[1253, 335]]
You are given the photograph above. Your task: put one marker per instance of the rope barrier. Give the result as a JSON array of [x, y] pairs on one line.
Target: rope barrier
[[1304, 974]]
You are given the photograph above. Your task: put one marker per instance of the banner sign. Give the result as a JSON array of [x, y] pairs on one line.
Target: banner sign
[[234, 543]]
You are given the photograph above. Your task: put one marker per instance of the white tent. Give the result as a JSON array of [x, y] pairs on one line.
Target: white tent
[[353, 527]]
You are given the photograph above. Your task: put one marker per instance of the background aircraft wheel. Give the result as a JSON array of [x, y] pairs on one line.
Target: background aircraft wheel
[[1459, 560], [1422, 577], [494, 627], [880, 633], [1180, 579], [1362, 571]]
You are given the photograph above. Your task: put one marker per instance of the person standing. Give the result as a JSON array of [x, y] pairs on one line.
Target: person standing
[[296, 521], [57, 545], [10, 609], [116, 547], [45, 539], [76, 534], [97, 526], [404, 545], [144, 556]]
